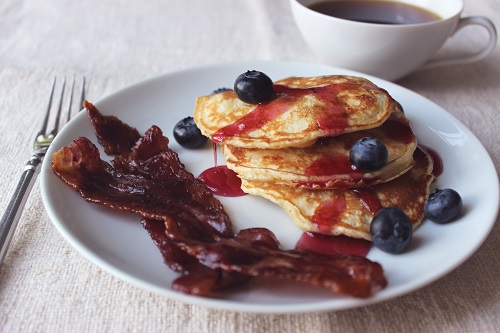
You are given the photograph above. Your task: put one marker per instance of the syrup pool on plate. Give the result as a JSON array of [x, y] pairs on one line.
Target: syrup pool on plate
[[222, 181], [332, 245]]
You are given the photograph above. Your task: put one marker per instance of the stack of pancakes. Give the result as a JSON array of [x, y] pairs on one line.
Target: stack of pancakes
[[294, 151]]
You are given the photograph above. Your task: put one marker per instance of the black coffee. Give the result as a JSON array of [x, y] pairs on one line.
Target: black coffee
[[381, 12]]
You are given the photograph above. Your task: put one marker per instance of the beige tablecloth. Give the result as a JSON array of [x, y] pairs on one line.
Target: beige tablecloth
[[47, 286]]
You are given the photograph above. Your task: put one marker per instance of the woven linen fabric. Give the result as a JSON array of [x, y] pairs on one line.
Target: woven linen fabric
[[47, 286]]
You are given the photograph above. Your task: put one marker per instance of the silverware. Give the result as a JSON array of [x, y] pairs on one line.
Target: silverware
[[42, 142]]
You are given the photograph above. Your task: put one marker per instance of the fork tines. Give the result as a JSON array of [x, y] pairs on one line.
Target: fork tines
[[67, 99]]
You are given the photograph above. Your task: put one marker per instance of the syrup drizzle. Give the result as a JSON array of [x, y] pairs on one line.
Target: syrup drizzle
[[214, 151], [369, 199], [221, 180], [333, 165], [394, 128], [224, 181], [334, 123], [328, 214], [437, 168], [398, 130]]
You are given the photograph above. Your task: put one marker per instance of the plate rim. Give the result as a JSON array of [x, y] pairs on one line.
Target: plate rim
[[261, 307]]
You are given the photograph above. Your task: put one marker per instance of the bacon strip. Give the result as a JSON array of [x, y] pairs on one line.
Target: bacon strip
[[255, 252], [115, 136], [80, 166], [148, 179], [196, 278], [189, 225]]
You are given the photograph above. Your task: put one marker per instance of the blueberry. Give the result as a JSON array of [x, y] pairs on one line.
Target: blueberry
[[391, 230], [188, 135], [253, 87], [369, 154], [220, 90], [442, 206]]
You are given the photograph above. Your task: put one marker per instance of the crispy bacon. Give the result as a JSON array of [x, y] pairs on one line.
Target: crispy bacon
[[196, 278], [255, 252], [79, 166], [187, 223], [115, 136]]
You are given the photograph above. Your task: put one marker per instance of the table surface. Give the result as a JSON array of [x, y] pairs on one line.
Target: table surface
[[47, 286]]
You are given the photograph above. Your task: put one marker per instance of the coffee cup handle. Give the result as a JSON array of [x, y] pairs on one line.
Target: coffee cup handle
[[466, 21]]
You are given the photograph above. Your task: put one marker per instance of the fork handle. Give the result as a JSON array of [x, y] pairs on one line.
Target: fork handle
[[12, 215]]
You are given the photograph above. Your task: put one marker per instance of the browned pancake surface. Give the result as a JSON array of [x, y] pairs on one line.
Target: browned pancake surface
[[301, 111], [349, 212], [326, 164]]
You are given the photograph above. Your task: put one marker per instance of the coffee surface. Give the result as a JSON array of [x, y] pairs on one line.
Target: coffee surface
[[379, 12]]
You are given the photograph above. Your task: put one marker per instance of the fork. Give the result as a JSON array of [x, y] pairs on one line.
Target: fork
[[41, 144]]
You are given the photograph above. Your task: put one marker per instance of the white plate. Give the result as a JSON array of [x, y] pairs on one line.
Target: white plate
[[117, 242]]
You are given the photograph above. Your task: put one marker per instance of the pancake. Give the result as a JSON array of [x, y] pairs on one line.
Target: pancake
[[349, 212], [301, 111], [326, 164]]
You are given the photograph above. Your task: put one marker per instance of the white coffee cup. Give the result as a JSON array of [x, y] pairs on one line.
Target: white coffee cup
[[384, 50]]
